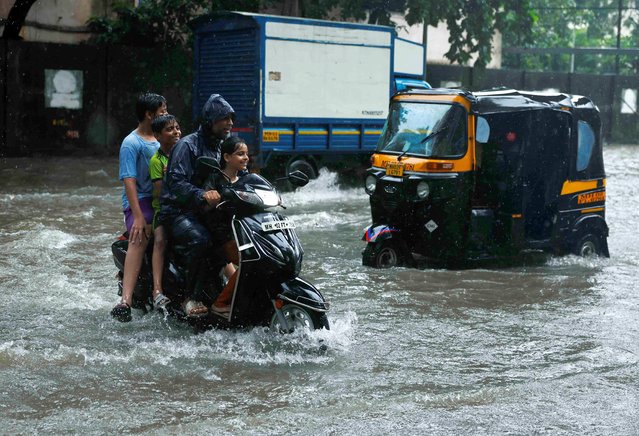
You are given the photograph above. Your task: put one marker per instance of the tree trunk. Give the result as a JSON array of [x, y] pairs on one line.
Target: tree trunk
[[291, 8], [15, 20]]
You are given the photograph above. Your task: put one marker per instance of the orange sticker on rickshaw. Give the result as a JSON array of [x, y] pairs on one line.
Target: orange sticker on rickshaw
[[592, 197]]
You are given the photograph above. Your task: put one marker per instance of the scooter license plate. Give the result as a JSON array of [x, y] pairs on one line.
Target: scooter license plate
[[271, 226], [395, 169]]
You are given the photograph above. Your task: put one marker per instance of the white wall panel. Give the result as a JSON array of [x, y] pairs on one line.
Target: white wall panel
[[313, 80], [409, 58], [341, 35]]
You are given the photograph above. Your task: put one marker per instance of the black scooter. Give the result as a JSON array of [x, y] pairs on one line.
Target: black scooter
[[268, 291]]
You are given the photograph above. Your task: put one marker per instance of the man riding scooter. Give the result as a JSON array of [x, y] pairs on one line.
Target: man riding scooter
[[183, 199]]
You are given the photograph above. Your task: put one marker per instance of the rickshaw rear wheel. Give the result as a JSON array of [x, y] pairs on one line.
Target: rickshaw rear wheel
[[588, 245], [384, 254]]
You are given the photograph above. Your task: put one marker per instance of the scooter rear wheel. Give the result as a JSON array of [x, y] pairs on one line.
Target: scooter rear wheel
[[298, 318]]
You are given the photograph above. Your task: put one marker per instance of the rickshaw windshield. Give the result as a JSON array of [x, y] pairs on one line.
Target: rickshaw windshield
[[432, 130]]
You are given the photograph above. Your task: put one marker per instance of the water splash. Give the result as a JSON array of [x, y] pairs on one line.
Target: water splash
[[321, 190]]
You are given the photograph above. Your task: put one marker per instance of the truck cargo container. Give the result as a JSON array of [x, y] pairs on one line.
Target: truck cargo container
[[306, 92]]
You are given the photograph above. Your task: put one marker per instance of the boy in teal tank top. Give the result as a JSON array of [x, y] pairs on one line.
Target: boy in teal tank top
[[167, 131]]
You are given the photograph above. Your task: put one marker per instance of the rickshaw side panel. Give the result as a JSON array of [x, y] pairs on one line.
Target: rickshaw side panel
[[555, 191]]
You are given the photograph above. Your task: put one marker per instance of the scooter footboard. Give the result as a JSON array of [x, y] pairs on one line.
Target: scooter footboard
[[303, 294]]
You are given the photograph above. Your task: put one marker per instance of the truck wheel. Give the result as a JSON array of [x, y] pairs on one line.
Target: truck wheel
[[588, 245], [303, 166], [383, 254]]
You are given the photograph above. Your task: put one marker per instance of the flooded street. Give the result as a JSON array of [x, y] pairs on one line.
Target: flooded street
[[549, 347]]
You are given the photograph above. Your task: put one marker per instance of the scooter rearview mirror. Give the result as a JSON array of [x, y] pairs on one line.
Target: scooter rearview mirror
[[204, 166], [206, 163], [298, 178]]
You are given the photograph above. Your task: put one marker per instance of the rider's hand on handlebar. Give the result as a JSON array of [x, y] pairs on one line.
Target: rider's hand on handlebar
[[212, 197]]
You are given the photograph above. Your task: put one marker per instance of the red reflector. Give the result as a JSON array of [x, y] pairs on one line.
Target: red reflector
[[439, 166], [279, 303]]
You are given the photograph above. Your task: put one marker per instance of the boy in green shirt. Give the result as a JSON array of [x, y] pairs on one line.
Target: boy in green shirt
[[167, 131]]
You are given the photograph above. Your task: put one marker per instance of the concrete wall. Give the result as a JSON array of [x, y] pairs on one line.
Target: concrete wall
[[66, 99], [53, 93], [58, 21]]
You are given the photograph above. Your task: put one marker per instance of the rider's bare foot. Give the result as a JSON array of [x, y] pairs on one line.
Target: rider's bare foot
[[195, 309]]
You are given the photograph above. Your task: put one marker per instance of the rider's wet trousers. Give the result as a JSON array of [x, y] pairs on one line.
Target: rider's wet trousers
[[191, 241]]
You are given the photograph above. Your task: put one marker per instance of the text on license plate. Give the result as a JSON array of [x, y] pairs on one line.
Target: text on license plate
[[270, 226], [395, 169]]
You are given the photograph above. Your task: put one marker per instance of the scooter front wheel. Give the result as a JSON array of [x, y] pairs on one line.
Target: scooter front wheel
[[296, 317]]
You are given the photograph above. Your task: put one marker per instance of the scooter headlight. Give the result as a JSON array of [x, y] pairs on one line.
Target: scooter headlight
[[250, 198], [370, 184], [423, 190]]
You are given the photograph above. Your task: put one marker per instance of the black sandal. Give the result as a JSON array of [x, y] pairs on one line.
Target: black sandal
[[121, 312]]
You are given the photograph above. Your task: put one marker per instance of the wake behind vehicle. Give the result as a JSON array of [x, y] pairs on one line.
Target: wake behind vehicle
[[268, 291], [461, 176]]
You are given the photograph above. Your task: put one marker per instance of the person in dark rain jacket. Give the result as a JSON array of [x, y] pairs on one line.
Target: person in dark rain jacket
[[183, 199]]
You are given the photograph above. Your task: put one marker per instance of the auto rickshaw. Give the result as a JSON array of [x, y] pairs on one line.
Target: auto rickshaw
[[460, 176]]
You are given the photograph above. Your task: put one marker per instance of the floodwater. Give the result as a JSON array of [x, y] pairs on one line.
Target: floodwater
[[542, 348]]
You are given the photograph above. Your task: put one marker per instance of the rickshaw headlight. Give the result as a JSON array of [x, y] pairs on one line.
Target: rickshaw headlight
[[423, 190], [370, 184]]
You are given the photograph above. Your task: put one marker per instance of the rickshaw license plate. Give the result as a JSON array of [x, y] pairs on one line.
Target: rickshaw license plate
[[395, 169], [271, 226]]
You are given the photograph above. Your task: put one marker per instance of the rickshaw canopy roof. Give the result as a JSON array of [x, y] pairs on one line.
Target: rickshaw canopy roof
[[502, 100], [510, 100]]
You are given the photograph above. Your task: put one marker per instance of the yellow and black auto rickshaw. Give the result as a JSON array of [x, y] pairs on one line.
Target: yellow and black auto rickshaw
[[459, 176]]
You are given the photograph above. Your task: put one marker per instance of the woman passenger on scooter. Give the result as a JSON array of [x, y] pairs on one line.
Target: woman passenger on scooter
[[234, 160]]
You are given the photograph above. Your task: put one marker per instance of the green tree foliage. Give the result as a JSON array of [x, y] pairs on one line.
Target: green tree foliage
[[471, 23], [158, 22], [577, 24], [162, 59]]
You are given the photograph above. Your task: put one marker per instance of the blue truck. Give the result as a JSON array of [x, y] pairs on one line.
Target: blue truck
[[307, 93]]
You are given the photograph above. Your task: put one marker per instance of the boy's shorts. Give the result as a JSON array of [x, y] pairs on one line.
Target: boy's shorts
[[147, 211]]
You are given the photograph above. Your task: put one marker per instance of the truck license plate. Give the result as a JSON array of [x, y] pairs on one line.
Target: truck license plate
[[395, 169], [271, 136], [271, 226]]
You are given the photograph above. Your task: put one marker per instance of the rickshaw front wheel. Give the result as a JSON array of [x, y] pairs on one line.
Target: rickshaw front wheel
[[588, 245], [383, 254]]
